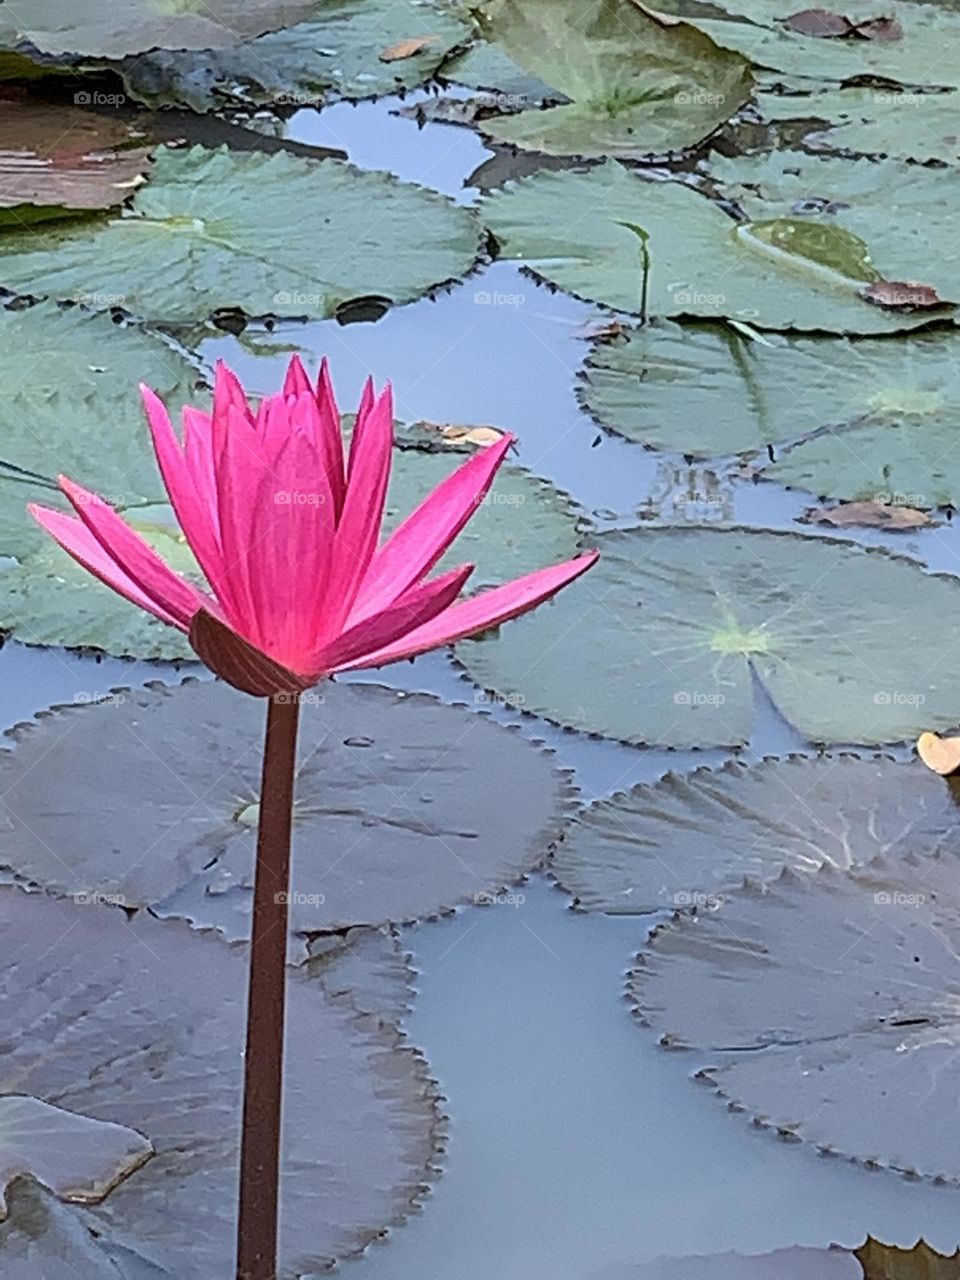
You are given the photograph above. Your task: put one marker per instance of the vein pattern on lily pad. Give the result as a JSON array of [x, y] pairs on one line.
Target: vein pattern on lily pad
[[111, 1022], [861, 420], [566, 228], [399, 810], [261, 234], [688, 842], [662, 644], [825, 1005]]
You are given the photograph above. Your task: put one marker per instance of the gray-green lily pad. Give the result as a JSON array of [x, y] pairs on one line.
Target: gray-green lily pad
[[41, 1236], [399, 809], [89, 27], [335, 52], [638, 85], [921, 57], [487, 67], [874, 121], [108, 1019], [47, 599], [784, 1264], [662, 644], [263, 234], [566, 228], [78, 1158], [825, 1005], [883, 429], [686, 843], [908, 215]]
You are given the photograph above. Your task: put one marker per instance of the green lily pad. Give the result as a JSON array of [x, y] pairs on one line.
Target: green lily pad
[[88, 27], [78, 1158], [108, 1019], [883, 429], [908, 215], [662, 644], [874, 121], [399, 809], [48, 599], [487, 67], [687, 843], [785, 1264], [216, 229], [918, 58], [565, 228], [637, 85], [816, 1001], [335, 52]]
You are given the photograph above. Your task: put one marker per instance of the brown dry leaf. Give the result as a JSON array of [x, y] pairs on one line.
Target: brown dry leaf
[[407, 48], [56, 158], [887, 1262], [603, 329], [904, 295], [877, 515], [821, 24], [456, 433], [942, 755]]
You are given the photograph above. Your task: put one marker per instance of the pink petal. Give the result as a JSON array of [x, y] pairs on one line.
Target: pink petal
[[296, 382], [241, 474], [413, 610], [79, 542], [330, 435], [359, 529], [367, 401], [195, 515], [488, 609], [176, 597], [419, 542], [228, 393]]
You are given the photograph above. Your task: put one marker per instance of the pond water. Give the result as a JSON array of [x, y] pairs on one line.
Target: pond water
[[577, 1147]]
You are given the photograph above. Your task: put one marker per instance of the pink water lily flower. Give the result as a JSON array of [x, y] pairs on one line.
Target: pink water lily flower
[[287, 532]]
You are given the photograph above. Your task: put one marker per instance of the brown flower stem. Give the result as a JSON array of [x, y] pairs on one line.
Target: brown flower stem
[[263, 1062]]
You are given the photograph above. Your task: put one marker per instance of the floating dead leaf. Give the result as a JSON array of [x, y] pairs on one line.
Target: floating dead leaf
[[942, 755], [887, 1262], [457, 433], [601, 331], [821, 24], [904, 295], [407, 48], [876, 515], [56, 158], [824, 24]]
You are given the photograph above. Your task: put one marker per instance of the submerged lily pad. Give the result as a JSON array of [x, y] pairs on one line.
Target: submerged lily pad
[[637, 84], [78, 1158], [399, 808], [874, 121], [109, 1020], [825, 1005], [47, 599], [662, 644], [89, 27], [882, 429], [688, 842], [262, 234], [44, 1237], [908, 215], [335, 52], [784, 1264], [566, 228], [56, 160]]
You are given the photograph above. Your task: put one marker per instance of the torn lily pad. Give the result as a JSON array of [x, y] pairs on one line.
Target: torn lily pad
[[397, 813], [637, 84], [47, 599], [565, 227], [215, 230], [79, 1159], [110, 1021], [686, 843], [87, 27], [873, 121], [335, 52], [663, 643], [816, 1001], [881, 430]]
